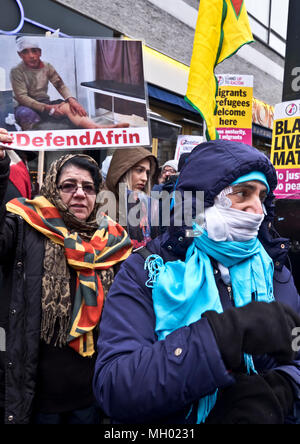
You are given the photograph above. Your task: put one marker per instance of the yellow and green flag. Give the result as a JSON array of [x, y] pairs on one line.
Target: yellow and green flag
[[222, 28]]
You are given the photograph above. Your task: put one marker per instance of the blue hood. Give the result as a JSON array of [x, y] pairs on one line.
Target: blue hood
[[214, 165]]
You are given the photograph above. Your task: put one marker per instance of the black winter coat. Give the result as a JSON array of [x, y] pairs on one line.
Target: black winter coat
[[20, 361], [22, 316]]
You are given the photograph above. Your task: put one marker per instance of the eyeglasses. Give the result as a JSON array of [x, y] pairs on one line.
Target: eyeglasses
[[71, 188], [169, 170]]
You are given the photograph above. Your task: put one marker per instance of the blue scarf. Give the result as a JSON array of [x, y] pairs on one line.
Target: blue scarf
[[182, 291]]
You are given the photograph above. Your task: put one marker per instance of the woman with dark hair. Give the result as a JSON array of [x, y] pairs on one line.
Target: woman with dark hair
[[57, 262], [85, 164]]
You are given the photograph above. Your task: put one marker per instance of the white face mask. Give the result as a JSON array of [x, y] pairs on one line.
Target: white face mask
[[224, 223]]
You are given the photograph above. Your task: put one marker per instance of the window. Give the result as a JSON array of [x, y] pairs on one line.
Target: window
[[268, 21]]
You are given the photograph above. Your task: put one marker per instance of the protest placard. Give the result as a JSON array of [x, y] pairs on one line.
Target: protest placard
[[73, 93], [186, 143], [234, 107], [285, 151]]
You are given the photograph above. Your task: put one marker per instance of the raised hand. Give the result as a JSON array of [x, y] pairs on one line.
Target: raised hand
[[4, 137]]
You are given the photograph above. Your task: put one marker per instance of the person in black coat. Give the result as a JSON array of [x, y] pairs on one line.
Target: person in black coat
[[18, 185]]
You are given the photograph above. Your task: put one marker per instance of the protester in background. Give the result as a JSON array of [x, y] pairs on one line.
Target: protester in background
[[19, 183], [131, 171], [287, 216], [105, 166], [57, 265], [169, 168], [197, 326], [168, 175], [30, 81]]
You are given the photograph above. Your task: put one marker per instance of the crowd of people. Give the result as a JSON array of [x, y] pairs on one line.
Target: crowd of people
[[115, 318]]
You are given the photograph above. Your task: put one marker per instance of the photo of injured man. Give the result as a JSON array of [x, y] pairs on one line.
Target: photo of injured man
[[64, 83]]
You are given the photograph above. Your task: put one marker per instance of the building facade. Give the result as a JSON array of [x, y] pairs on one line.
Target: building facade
[[167, 28]]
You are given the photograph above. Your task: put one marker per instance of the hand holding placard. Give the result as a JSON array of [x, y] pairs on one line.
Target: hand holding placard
[[4, 137]]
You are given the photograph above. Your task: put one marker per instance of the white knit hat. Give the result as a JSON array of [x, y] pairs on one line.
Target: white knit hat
[[25, 42], [171, 163]]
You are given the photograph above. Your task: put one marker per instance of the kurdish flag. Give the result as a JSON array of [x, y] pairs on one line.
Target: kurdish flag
[[222, 28]]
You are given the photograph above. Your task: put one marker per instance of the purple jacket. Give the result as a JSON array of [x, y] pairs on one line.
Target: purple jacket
[[140, 379]]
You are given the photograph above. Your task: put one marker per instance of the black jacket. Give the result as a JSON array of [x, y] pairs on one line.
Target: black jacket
[[22, 316], [16, 312]]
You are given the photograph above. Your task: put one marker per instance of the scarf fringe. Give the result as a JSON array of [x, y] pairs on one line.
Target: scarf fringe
[[48, 323], [248, 359], [205, 407], [153, 264]]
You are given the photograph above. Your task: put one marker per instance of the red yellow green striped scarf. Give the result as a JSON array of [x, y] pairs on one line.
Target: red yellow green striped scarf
[[109, 245]]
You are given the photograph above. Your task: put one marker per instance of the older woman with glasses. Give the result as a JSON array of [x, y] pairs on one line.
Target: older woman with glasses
[[57, 261]]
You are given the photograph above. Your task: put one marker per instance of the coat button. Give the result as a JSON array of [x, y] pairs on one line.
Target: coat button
[[180, 239], [277, 263], [9, 364], [170, 247], [10, 418], [282, 246], [178, 351]]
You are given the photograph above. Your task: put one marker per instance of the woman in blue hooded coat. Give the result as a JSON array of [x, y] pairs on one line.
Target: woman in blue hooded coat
[[201, 326]]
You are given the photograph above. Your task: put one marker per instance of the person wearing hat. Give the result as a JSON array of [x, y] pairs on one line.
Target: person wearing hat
[[129, 180], [30, 80], [198, 327], [167, 178], [169, 168]]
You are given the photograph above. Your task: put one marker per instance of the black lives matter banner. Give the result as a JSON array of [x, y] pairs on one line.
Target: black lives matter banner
[[285, 152]]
